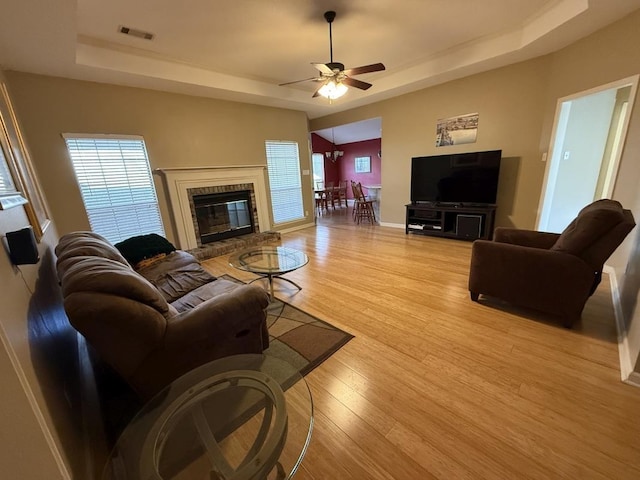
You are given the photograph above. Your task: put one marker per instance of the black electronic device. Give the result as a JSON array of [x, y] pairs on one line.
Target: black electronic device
[[458, 178], [23, 248], [469, 226]]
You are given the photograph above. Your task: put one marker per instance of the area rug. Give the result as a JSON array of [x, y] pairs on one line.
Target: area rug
[[299, 338]]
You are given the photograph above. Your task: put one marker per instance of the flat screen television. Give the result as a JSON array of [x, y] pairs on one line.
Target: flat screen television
[[459, 178]]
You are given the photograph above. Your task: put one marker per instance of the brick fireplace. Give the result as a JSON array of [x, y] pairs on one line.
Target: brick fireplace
[[183, 184], [219, 213]]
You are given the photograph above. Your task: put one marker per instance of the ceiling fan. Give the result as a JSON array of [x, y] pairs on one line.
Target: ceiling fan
[[333, 76]]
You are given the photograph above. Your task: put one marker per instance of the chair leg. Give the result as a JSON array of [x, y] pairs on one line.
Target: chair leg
[[474, 296]]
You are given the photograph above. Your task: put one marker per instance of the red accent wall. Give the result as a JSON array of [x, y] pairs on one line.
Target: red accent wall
[[344, 168], [367, 148], [331, 170]]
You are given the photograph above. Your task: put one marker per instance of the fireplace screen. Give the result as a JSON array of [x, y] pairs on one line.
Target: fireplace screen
[[223, 215]]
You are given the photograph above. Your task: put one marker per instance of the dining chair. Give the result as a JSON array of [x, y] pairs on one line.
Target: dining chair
[[331, 194], [341, 193], [320, 195], [362, 207]]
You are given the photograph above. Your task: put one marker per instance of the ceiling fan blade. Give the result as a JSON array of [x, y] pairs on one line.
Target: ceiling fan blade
[[323, 68], [297, 81], [375, 67], [317, 92], [352, 82]]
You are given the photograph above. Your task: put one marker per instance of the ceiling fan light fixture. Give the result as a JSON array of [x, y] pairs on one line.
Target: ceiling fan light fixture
[[336, 80], [333, 90]]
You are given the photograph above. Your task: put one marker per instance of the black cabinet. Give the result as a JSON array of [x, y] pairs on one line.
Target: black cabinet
[[451, 220]]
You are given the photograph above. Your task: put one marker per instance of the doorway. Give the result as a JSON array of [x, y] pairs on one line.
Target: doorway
[[589, 131], [349, 152]]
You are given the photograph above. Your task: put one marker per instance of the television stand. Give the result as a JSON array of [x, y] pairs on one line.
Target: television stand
[[453, 220]]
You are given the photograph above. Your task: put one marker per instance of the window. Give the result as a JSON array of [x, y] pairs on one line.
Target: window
[[318, 168], [116, 185], [283, 166]]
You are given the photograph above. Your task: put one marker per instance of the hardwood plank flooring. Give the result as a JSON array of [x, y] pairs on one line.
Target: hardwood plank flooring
[[434, 386]]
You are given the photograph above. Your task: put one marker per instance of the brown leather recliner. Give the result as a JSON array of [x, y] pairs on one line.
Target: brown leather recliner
[[553, 273]]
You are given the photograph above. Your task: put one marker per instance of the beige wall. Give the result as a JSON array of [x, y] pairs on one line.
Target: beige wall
[[517, 107], [39, 429], [511, 108], [606, 56], [179, 131], [40, 426]]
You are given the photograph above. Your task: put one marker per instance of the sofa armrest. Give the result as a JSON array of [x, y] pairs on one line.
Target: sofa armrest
[[526, 238], [529, 276], [226, 315]]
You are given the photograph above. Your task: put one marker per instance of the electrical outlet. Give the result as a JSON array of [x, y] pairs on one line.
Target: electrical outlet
[[567, 154]]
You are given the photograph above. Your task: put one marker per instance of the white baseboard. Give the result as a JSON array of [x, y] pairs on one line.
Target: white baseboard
[[633, 379], [293, 229], [35, 407], [392, 225], [627, 373]]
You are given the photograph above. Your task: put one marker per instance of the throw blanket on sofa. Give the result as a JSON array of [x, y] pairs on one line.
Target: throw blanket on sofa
[[141, 247]]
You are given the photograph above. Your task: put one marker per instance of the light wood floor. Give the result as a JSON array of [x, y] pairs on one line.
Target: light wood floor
[[436, 386]]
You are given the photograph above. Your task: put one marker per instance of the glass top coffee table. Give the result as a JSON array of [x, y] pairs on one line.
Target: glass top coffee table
[[269, 263], [246, 417]]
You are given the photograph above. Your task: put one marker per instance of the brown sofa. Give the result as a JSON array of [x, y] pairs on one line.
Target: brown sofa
[[553, 273], [156, 323]]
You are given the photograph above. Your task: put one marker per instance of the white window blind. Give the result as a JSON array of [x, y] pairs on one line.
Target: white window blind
[[283, 166], [318, 168], [116, 185]]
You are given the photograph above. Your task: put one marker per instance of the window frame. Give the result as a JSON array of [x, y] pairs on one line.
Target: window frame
[[119, 197], [278, 194], [318, 176]]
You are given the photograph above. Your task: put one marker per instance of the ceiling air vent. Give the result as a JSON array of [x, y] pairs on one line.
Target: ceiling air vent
[[135, 33]]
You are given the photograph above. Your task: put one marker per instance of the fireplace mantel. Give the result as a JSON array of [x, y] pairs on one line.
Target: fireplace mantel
[[179, 180]]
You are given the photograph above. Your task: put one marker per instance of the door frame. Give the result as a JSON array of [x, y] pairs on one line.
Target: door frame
[[550, 156]]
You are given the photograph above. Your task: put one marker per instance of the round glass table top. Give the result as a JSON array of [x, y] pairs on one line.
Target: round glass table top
[[269, 260], [241, 417]]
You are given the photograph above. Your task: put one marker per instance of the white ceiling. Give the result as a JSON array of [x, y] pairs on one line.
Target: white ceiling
[[241, 50], [353, 132]]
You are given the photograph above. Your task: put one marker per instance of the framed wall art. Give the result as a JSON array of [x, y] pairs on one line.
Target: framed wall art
[[16, 170], [363, 164], [457, 130], [10, 196]]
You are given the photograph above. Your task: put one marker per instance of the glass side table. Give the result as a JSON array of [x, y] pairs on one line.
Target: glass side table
[[244, 417], [269, 263]]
